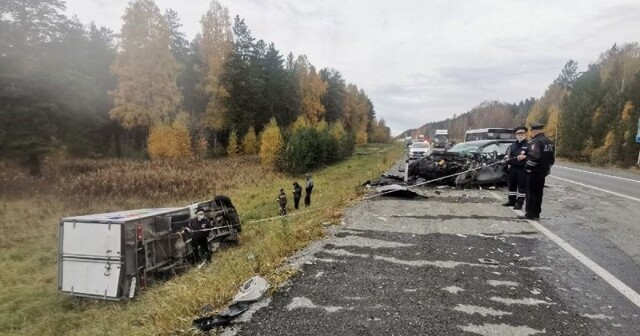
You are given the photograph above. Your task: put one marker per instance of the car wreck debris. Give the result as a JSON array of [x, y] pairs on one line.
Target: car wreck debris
[[396, 190], [464, 168], [251, 290], [487, 261]]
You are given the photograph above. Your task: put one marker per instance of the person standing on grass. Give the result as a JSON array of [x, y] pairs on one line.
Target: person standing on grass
[[282, 201], [297, 194], [308, 189], [199, 233]]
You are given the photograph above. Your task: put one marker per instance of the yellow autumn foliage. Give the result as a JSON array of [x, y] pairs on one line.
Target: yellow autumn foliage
[[301, 122], [337, 130], [169, 142], [250, 142], [322, 126], [232, 147], [361, 138], [271, 143], [603, 154]]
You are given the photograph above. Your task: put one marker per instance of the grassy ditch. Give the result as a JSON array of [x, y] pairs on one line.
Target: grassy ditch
[[29, 301]]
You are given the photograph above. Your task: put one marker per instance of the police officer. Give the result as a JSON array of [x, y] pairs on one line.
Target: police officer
[[517, 177], [540, 157]]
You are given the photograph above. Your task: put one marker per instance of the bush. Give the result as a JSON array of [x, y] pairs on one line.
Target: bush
[[232, 148], [271, 143], [308, 148], [169, 142], [250, 142]]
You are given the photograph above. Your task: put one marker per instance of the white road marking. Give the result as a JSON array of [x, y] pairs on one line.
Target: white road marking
[[597, 316], [523, 301], [484, 311], [453, 289], [303, 302], [596, 188], [599, 174], [625, 290], [614, 282], [488, 329], [496, 283]]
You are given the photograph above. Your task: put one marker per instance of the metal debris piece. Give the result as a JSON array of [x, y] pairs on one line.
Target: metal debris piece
[[396, 190], [252, 290], [488, 261]]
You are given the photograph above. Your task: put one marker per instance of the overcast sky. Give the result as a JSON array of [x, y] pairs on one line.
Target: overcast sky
[[422, 61]]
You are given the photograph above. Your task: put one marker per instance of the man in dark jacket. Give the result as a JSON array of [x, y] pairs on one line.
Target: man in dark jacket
[[200, 228], [297, 194], [515, 167], [540, 157], [308, 189]]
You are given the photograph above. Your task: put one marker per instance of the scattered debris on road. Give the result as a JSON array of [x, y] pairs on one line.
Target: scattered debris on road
[[396, 190], [487, 261], [251, 290]]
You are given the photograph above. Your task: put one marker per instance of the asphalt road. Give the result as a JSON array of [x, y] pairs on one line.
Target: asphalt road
[[624, 183], [413, 267]]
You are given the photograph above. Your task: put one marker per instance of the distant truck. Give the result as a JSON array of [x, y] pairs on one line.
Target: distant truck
[[441, 139], [113, 255]]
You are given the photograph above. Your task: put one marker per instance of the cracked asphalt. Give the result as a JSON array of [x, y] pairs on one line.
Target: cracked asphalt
[[456, 263]]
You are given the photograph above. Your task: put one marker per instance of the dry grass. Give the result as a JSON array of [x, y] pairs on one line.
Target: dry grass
[[29, 301]]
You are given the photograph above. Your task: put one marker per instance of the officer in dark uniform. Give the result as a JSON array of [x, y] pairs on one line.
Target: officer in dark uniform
[[517, 177], [540, 158], [200, 229]]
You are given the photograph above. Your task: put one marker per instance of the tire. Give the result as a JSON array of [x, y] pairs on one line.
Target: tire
[[230, 213]]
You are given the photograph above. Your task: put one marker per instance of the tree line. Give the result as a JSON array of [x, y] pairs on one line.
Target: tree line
[[487, 114], [592, 116], [79, 90]]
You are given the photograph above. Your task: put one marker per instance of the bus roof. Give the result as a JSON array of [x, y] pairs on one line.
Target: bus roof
[[489, 130]]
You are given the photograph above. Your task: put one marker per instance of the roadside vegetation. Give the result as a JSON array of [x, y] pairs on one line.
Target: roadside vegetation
[[31, 207]]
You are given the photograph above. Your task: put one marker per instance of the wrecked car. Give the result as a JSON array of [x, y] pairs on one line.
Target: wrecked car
[[488, 154]]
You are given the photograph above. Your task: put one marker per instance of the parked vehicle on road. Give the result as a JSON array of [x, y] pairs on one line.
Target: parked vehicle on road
[[418, 150], [441, 139]]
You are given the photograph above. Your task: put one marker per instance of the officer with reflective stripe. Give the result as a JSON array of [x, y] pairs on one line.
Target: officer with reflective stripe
[[540, 157], [515, 167]]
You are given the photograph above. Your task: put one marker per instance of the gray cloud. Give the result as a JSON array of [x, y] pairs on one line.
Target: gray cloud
[[423, 61]]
